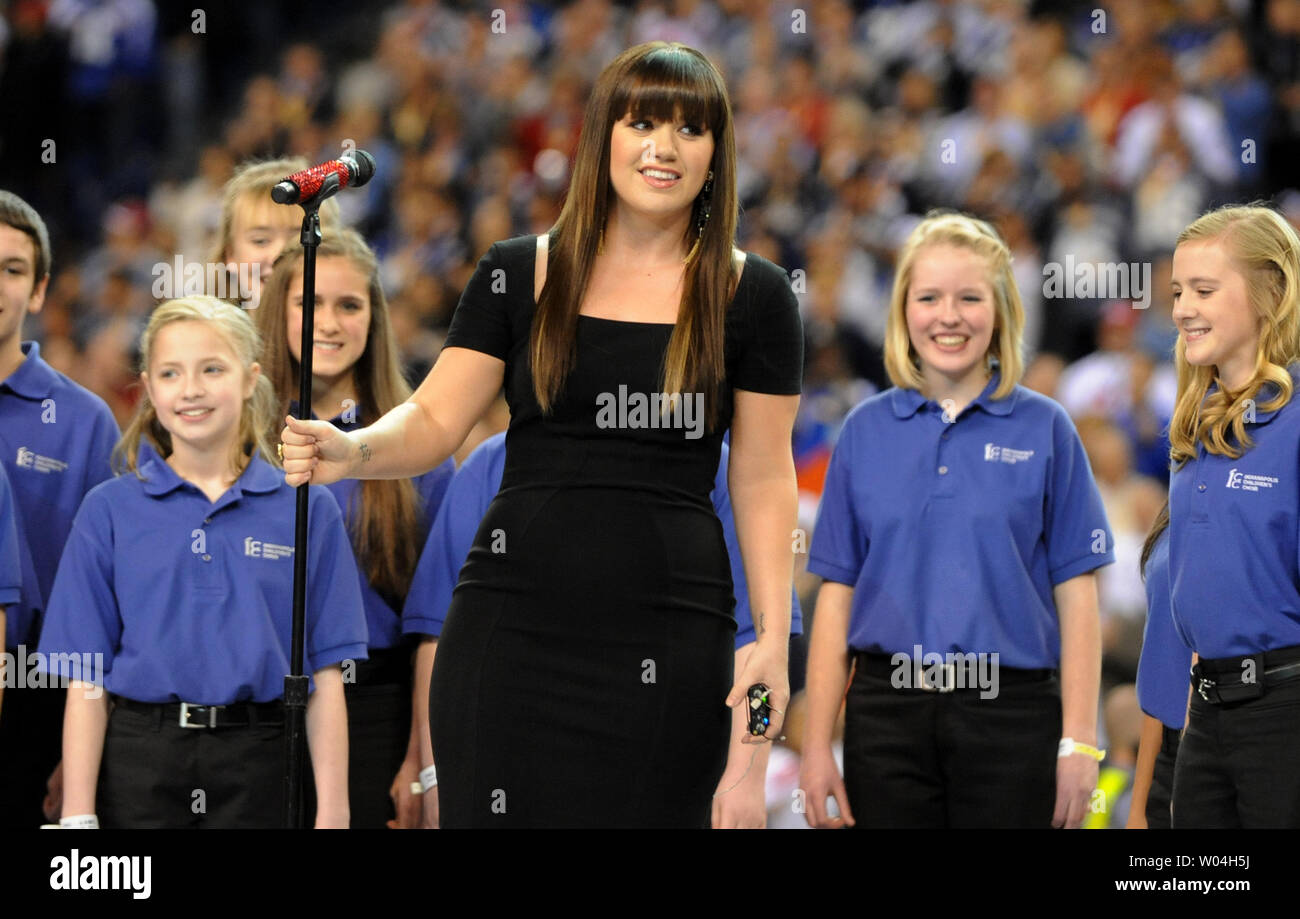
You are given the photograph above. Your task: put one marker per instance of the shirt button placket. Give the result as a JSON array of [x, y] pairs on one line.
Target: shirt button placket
[[1201, 508], [208, 576], [942, 470]]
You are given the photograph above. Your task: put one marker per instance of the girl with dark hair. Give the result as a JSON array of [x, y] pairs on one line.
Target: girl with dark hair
[[357, 378]]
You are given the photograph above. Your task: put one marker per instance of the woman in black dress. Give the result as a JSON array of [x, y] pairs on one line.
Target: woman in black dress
[[585, 668]]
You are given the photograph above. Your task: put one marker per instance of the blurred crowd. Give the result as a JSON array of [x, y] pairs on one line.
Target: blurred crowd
[[1088, 134]]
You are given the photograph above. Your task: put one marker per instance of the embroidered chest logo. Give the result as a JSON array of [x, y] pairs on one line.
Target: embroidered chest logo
[[258, 549], [47, 464], [1244, 481], [996, 454]]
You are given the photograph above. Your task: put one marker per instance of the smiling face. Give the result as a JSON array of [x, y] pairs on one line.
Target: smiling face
[[341, 326], [658, 167], [1212, 311], [259, 231], [20, 291], [197, 385], [950, 313]]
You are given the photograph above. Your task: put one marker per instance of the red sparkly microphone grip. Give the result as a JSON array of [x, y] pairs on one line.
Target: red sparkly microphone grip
[[352, 171], [310, 180]]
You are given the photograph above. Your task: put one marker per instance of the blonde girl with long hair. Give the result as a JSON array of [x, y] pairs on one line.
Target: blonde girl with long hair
[[254, 230], [177, 583], [1234, 518]]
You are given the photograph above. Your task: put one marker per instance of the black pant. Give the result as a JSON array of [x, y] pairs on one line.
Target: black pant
[[914, 758], [31, 740], [1161, 794], [156, 774], [379, 729], [378, 697], [1237, 763]]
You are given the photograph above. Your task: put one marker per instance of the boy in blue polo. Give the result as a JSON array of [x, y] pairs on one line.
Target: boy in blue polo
[[55, 441], [958, 534], [472, 489], [11, 575]]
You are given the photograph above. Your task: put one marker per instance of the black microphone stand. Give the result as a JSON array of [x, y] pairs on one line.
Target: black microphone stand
[[295, 682]]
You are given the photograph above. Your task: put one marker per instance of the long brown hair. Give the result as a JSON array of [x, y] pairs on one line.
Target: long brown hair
[[1266, 250], [661, 80], [258, 413], [1158, 526], [384, 516]]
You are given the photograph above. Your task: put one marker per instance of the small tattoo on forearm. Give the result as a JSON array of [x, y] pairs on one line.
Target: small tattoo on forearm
[[762, 621], [365, 452]]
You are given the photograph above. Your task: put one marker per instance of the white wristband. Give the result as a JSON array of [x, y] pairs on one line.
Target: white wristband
[[80, 822], [428, 777]]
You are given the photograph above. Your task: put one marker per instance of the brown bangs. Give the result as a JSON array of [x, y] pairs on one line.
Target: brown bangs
[[667, 85]]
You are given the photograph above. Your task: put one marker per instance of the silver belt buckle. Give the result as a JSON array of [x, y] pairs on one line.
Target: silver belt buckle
[[185, 715], [1202, 686], [947, 682]]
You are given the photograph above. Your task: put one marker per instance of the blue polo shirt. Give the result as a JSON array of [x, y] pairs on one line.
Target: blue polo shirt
[[1162, 677], [191, 600], [472, 489], [1233, 543], [954, 532], [11, 572], [55, 442], [384, 622]]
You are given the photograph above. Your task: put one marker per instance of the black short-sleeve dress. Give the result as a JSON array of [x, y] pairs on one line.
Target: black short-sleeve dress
[[588, 650]]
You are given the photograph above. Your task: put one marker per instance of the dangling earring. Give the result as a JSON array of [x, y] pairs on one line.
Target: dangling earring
[[706, 198]]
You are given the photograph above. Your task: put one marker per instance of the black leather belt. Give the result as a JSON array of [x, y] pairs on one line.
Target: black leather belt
[[947, 677], [191, 715], [1237, 679]]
